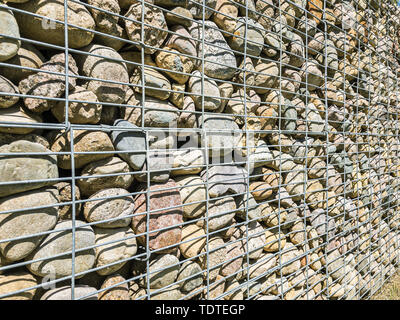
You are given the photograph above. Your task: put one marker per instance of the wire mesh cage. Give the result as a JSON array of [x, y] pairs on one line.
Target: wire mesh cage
[[198, 149]]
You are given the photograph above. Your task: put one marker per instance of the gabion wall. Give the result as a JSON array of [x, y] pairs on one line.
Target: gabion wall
[[198, 149]]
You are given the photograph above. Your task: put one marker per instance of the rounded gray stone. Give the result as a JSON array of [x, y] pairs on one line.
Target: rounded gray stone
[[65, 293], [22, 168], [191, 273], [7, 86], [254, 37], [60, 242], [107, 254], [109, 208], [130, 141], [8, 27], [24, 223], [221, 61]]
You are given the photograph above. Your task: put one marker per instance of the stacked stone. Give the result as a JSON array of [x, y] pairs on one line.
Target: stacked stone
[[243, 151]]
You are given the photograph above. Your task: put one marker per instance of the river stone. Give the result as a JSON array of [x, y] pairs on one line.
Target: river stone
[[22, 223], [253, 208], [113, 165], [48, 85], [175, 62], [216, 50], [191, 273], [260, 190], [266, 77], [113, 252], [275, 240], [216, 256], [187, 117], [65, 293], [186, 158], [8, 27], [65, 195], [159, 164], [226, 15], [335, 264], [21, 168], [260, 156], [60, 242], [114, 30], [315, 122], [178, 98], [254, 37], [104, 69], [233, 290], [215, 290], [295, 181], [161, 114], [84, 141], [110, 208], [161, 140], [226, 179], [290, 252], [16, 281], [79, 112], [193, 240], [130, 141], [171, 293], [156, 84], [256, 239], [6, 86], [181, 41], [222, 134], [153, 17], [105, 20], [179, 16], [210, 90], [119, 290], [7, 138], [289, 114], [312, 75], [44, 30], [220, 213], [157, 113], [235, 254], [193, 191], [18, 115], [27, 56], [163, 218], [240, 101]]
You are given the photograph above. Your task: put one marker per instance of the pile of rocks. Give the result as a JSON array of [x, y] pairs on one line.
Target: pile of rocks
[[246, 150]]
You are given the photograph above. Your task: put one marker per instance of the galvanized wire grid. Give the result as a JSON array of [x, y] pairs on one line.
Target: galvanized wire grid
[[304, 149]]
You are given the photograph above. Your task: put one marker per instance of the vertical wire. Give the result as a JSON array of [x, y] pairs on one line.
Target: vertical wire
[[204, 134], [72, 148]]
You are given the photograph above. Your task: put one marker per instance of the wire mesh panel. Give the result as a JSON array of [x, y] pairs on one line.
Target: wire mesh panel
[[198, 149]]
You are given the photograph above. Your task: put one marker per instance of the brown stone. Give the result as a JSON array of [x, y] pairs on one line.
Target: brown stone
[[17, 280], [191, 248], [315, 7], [165, 218]]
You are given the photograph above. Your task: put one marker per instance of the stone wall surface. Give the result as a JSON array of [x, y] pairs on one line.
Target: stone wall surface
[[249, 145]]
